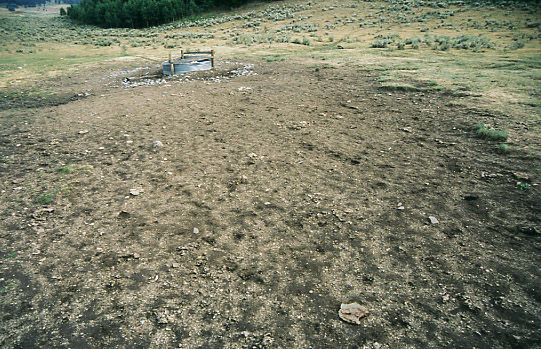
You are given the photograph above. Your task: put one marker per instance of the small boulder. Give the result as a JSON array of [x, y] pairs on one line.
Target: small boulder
[[352, 313]]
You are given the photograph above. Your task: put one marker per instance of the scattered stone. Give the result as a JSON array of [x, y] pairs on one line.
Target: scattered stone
[[157, 144], [524, 177], [136, 191], [123, 214], [136, 255], [175, 265], [243, 179], [433, 220], [352, 313], [164, 317], [195, 231], [42, 213], [400, 206], [82, 132]]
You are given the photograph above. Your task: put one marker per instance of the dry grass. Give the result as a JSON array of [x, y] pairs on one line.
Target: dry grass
[[500, 78]]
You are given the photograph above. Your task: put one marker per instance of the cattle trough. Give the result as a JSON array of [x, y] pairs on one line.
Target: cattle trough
[[188, 62]]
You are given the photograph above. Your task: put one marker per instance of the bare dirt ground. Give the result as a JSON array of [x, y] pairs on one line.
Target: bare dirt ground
[[279, 193]]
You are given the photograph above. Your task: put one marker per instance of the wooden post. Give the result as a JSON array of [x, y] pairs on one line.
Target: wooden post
[[181, 54], [171, 64], [212, 58]]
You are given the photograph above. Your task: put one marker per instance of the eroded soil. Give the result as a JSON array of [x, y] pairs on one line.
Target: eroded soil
[[276, 197]]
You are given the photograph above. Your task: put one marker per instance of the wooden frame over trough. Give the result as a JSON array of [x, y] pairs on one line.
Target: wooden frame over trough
[[188, 61]]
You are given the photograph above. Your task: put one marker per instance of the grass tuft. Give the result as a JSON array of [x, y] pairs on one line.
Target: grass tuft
[[504, 148], [524, 186], [45, 198], [485, 131], [63, 169]]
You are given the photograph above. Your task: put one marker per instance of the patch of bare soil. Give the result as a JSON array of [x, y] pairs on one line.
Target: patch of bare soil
[[270, 199]]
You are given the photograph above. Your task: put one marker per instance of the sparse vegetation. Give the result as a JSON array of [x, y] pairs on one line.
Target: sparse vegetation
[[524, 186], [504, 148], [297, 174], [63, 169], [45, 198], [485, 131]]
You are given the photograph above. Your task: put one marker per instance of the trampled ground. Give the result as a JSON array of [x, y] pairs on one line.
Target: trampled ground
[[281, 191], [332, 157]]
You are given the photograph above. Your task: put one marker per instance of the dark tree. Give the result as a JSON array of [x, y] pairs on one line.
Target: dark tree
[[142, 13]]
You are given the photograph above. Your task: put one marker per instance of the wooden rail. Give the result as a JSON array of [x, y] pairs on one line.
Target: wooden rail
[[182, 56]]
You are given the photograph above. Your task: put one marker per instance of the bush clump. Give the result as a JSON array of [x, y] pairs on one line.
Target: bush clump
[[485, 131]]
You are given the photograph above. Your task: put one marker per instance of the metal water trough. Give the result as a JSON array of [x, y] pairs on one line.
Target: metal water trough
[[191, 61]]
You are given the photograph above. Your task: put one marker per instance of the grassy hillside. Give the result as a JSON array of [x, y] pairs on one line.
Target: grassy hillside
[[489, 52]]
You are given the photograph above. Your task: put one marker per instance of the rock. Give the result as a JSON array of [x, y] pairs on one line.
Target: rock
[[82, 132], [352, 313], [195, 231], [524, 177], [136, 191], [433, 220], [164, 317], [243, 179], [123, 214], [157, 144], [42, 213]]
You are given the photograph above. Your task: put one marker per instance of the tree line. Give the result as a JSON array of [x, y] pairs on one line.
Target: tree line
[[142, 13], [12, 5]]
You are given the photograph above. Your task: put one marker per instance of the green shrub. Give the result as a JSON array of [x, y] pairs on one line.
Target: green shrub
[[104, 42], [523, 186], [517, 44], [380, 43], [484, 131], [504, 148]]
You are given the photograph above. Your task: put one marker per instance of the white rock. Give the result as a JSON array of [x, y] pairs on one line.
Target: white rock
[[352, 313], [136, 191]]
